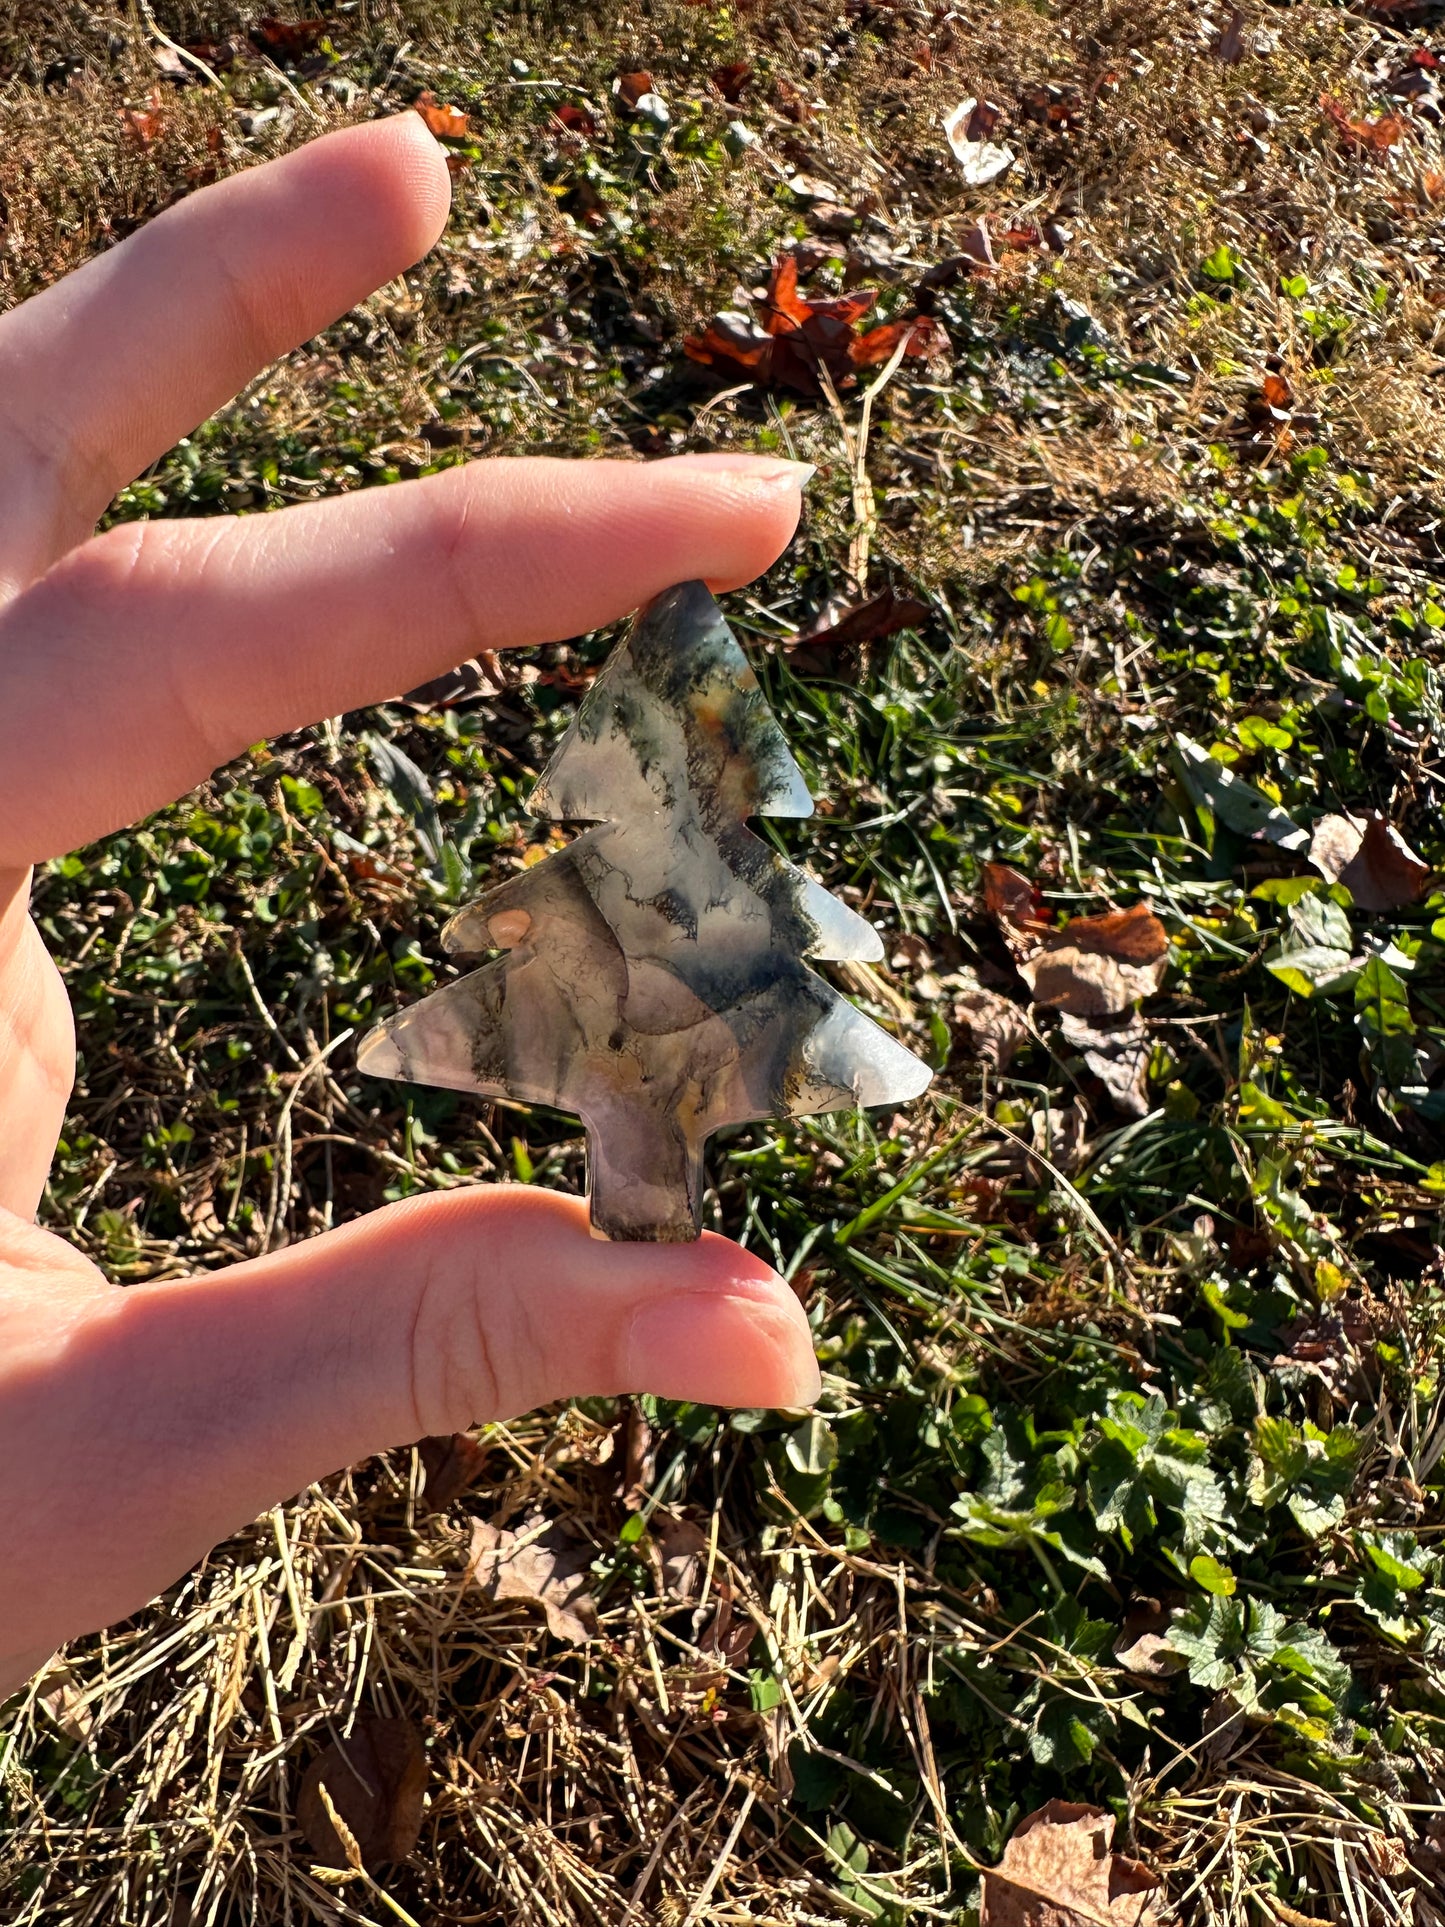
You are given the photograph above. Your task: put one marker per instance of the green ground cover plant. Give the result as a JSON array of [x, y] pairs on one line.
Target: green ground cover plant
[[1125, 1484]]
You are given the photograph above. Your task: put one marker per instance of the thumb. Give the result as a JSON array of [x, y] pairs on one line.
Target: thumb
[[205, 1402]]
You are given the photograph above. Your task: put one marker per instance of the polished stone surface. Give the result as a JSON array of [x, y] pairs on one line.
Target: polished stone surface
[[654, 980]]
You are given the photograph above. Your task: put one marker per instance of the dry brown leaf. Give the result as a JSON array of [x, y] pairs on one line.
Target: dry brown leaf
[[1150, 1656], [1118, 1055], [791, 102], [1060, 1136], [447, 123], [542, 1565], [996, 1025], [452, 1462], [966, 129], [1057, 1871], [376, 1777], [855, 626], [1017, 906], [682, 1551], [1099, 966], [1371, 858], [65, 1704]]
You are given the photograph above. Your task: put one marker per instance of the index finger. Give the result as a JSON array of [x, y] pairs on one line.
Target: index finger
[[106, 370]]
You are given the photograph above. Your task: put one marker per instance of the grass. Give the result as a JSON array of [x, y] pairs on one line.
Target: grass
[[1179, 1379]]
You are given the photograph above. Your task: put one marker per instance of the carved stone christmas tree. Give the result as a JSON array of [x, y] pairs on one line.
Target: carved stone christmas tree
[[654, 981]]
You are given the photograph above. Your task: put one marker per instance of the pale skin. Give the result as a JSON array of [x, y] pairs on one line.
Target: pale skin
[[139, 1426]]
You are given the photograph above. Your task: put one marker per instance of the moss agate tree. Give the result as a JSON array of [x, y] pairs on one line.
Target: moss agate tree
[[654, 979]]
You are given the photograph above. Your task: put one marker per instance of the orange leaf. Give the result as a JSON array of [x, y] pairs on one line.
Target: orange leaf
[[924, 336], [145, 125], [1362, 136], [630, 88], [799, 336], [1134, 935], [287, 39], [447, 123], [784, 304]]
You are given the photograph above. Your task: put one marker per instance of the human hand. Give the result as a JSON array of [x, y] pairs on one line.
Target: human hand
[[139, 1426]]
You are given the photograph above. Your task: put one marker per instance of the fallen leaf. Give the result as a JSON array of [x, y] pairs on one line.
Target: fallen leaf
[[977, 252], [452, 1464], [682, 1551], [1057, 1871], [376, 1777], [1017, 238], [725, 1635], [288, 39], [1433, 185], [1061, 1136], [630, 89], [1371, 858], [1229, 48], [1058, 107], [1222, 1727], [1099, 966], [1017, 906], [732, 79], [1360, 136], [638, 1453], [1118, 1055], [1093, 966], [65, 1704], [980, 159], [542, 1565], [1150, 1656], [798, 335], [854, 627], [145, 125], [447, 123], [998, 1028]]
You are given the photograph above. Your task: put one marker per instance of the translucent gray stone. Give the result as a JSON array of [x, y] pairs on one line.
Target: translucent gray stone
[[654, 980]]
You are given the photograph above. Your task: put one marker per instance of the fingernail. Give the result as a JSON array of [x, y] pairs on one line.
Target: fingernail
[[719, 1349], [771, 470]]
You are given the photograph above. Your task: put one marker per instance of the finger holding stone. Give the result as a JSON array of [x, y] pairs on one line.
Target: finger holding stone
[[161, 650]]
